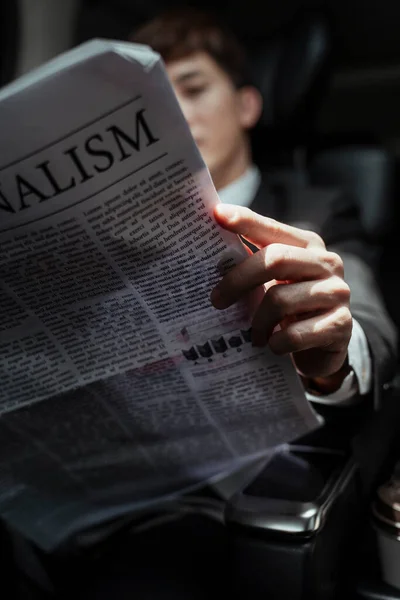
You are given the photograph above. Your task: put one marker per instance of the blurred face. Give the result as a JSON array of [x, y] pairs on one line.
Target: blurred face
[[217, 113]]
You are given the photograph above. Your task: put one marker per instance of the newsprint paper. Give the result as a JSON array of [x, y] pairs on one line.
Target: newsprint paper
[[120, 383]]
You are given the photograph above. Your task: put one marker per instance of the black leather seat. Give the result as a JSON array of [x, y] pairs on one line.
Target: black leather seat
[[273, 558], [292, 71]]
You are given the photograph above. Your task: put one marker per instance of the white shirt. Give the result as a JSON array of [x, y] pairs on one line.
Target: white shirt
[[242, 192]]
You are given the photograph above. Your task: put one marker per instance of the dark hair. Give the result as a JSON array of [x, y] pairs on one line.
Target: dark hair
[[178, 33]]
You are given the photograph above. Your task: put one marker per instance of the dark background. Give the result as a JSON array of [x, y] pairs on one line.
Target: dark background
[[366, 31], [364, 90]]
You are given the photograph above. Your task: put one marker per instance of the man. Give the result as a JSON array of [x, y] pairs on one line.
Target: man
[[337, 344]]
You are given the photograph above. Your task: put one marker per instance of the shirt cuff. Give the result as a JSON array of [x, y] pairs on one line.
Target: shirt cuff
[[358, 382]]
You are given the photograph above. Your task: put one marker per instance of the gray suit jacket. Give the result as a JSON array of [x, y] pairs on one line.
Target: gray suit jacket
[[334, 215]]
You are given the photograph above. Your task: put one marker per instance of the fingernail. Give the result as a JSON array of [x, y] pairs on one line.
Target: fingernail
[[228, 211]]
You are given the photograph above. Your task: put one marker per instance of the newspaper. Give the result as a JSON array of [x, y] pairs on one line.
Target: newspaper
[[120, 383]]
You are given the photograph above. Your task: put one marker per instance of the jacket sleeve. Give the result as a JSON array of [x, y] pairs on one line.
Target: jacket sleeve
[[367, 306]]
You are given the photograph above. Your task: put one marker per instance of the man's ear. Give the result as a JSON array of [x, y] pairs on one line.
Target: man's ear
[[250, 106]]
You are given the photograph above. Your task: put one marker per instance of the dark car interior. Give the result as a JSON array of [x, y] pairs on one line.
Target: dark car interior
[[329, 74]]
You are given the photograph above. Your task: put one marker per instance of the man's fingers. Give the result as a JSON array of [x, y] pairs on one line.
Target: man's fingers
[[279, 262], [296, 299], [330, 332], [263, 231]]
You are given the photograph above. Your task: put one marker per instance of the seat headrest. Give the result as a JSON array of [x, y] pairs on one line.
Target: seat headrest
[[291, 67]]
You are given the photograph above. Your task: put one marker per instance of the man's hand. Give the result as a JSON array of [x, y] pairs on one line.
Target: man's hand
[[305, 294]]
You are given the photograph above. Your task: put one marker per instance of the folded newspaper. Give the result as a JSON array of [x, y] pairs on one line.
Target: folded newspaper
[[120, 383]]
